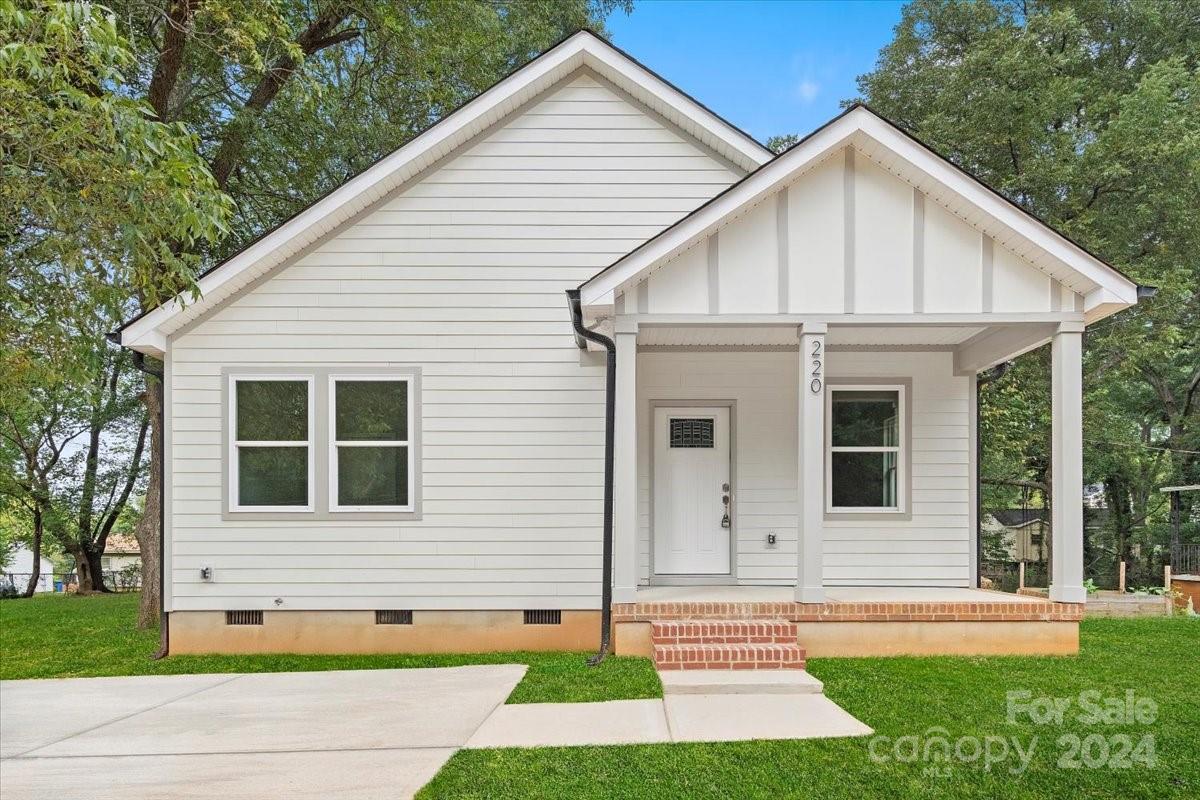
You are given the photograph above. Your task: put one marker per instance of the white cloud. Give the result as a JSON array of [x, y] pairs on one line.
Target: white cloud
[[807, 90]]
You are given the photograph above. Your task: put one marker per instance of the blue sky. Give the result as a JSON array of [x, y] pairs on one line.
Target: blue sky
[[767, 67]]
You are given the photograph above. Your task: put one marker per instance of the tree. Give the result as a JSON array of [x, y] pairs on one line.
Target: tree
[[1087, 115], [290, 99], [98, 199]]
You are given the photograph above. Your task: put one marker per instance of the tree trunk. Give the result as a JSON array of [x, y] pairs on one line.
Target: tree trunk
[[88, 571], [146, 531], [36, 569], [1117, 496]]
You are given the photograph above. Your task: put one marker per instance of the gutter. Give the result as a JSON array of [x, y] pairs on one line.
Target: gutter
[[164, 624], [582, 336]]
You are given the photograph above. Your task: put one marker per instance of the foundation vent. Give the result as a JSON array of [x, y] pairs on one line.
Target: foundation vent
[[243, 618], [393, 617], [543, 617]]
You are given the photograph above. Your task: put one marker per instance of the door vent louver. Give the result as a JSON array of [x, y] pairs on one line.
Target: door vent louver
[[543, 617], [393, 617], [243, 618]]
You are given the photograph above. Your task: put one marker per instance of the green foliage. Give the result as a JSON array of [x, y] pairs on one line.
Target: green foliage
[[290, 98], [777, 144], [139, 145], [1088, 115], [99, 200]]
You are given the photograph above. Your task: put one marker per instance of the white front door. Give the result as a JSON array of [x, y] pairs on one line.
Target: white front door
[[692, 491]]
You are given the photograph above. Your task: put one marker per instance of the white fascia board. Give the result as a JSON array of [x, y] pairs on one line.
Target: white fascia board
[[615, 66], [701, 222], [1102, 302], [769, 178], [340, 203], [1024, 224], [356, 194]]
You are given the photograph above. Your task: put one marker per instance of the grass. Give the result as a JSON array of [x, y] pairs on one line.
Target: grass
[[1155, 658], [955, 697], [68, 636]]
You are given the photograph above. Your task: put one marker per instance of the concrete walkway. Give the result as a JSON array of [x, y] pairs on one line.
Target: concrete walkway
[[356, 734], [675, 718]]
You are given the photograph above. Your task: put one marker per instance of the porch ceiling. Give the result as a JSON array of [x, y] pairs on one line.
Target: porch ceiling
[[785, 335]]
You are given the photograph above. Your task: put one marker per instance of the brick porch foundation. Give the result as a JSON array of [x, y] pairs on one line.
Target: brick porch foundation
[[659, 630]]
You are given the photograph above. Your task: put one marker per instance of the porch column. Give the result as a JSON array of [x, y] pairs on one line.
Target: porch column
[[810, 475], [625, 545], [1066, 464]]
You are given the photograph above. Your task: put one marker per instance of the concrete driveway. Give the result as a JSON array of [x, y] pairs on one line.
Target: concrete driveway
[[359, 734]]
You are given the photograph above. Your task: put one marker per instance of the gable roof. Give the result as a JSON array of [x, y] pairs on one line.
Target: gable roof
[[1105, 289], [148, 332]]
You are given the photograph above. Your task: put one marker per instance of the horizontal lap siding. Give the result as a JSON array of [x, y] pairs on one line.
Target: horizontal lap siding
[[763, 386], [462, 274], [931, 549], [934, 547]]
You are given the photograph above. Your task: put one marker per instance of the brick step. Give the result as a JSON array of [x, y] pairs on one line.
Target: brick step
[[668, 632], [728, 656]]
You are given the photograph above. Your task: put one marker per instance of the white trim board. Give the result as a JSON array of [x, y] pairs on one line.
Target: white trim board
[[148, 333], [1104, 288]]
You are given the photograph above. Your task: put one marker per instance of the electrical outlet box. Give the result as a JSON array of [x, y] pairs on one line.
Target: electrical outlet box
[[206, 574], [771, 539]]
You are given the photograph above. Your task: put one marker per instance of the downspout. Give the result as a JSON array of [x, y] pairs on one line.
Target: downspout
[[582, 337], [164, 623]]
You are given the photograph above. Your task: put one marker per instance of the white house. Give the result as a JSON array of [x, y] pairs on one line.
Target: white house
[[387, 410], [18, 567]]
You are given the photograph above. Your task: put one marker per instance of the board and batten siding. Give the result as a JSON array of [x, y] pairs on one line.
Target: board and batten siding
[[933, 548], [847, 236], [461, 273]]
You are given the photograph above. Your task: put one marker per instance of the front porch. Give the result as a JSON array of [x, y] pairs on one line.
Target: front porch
[[817, 456], [796, 365], [851, 621]]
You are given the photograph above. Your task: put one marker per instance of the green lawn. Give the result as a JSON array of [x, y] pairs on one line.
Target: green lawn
[[67, 636], [960, 698], [1156, 658]]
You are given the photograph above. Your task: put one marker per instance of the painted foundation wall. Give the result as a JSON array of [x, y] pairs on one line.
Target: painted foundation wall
[[933, 548], [462, 274]]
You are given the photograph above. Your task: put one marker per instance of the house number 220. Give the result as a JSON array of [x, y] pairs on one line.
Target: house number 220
[[814, 385]]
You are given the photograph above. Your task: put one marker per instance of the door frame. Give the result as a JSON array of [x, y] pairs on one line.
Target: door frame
[[715, 579]]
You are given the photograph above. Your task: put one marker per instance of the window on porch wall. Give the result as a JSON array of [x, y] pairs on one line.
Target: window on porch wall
[[864, 449]]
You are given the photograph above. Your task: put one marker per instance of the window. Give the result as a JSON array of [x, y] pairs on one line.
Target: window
[[271, 449], [691, 432], [864, 454], [370, 457]]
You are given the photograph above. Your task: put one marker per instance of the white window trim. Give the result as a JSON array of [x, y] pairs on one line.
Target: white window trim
[[899, 449], [234, 444], [334, 443]]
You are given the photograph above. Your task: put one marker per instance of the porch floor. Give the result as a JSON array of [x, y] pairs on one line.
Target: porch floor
[[833, 594]]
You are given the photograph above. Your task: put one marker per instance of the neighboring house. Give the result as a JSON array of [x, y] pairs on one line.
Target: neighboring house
[[121, 552], [19, 568], [1093, 495], [1024, 530], [390, 410]]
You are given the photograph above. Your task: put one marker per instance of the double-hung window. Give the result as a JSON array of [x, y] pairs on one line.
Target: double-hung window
[[271, 449], [864, 455], [370, 449]]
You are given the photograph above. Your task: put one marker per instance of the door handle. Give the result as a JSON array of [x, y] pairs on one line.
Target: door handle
[[725, 521]]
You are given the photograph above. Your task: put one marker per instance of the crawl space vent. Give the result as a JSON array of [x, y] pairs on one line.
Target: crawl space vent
[[243, 618], [543, 617], [393, 617]]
